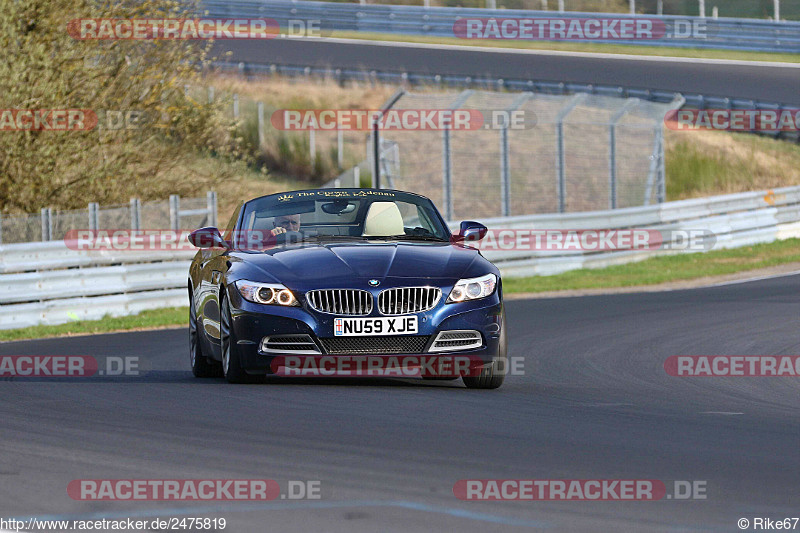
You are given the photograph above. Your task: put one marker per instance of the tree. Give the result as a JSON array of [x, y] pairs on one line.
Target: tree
[[147, 124]]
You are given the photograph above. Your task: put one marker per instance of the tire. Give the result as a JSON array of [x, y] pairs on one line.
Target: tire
[[231, 360], [492, 376], [202, 366]]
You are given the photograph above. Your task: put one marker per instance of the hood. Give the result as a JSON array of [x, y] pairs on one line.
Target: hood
[[333, 264]]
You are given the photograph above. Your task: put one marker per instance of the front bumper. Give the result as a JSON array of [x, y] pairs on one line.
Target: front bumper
[[252, 322]]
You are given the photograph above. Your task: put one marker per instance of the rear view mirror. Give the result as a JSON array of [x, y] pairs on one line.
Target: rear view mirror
[[472, 231], [207, 238], [338, 207]]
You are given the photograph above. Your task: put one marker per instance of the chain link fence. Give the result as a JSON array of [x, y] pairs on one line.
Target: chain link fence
[[176, 214], [533, 153], [314, 154]]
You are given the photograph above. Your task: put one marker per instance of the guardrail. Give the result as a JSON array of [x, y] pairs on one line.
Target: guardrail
[[735, 220], [719, 33], [49, 283]]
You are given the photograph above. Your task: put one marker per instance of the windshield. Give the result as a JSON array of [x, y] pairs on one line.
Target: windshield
[[344, 215]]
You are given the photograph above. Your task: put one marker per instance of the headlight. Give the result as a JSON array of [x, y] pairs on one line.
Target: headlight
[[473, 288], [266, 293]]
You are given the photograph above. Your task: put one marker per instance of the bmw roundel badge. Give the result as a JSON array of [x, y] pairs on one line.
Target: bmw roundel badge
[[374, 283]]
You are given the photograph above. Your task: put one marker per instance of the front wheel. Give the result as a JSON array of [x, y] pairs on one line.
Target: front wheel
[[202, 366], [492, 375], [231, 359]]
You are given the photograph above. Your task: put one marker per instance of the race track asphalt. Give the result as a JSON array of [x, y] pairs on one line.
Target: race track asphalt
[[594, 403], [759, 81]]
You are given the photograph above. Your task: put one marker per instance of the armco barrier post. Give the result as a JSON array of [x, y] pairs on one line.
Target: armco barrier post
[[211, 205], [777, 10], [136, 214], [1, 228], [174, 212], [47, 224], [633, 7], [94, 207], [235, 105]]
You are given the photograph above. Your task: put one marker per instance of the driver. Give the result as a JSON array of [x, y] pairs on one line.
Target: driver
[[285, 223]]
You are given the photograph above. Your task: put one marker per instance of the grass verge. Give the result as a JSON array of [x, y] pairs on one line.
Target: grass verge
[[596, 48], [708, 163], [650, 272], [664, 269], [151, 319]]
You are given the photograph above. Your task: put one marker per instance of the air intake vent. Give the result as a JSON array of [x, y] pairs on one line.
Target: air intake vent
[[405, 300], [455, 340], [297, 344], [408, 344], [341, 301]]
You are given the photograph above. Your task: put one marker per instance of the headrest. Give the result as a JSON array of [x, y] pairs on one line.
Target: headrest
[[383, 219]]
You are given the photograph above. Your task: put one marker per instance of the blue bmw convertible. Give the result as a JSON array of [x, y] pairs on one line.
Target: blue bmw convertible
[[338, 273]]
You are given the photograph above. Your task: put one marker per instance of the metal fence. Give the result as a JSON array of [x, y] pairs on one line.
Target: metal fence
[[762, 11], [565, 154], [719, 33], [326, 152], [176, 213]]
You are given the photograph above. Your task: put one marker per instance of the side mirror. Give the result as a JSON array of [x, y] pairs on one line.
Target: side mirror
[[207, 238], [472, 231]]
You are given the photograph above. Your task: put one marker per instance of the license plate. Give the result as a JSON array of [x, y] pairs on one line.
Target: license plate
[[362, 327]]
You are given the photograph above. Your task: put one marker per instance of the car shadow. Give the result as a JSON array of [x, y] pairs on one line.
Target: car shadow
[[183, 376]]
